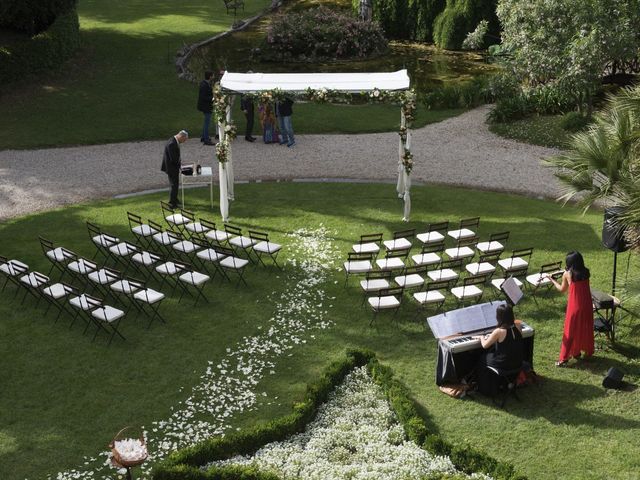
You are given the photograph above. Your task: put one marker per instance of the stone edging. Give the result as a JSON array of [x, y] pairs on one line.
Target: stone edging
[[183, 55]]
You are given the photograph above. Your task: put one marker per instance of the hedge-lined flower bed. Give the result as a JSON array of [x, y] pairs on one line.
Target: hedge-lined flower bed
[[187, 464]]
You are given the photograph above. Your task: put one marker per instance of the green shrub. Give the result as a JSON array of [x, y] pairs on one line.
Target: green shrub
[[44, 51], [396, 17], [510, 108], [460, 17], [32, 16], [322, 34], [466, 95], [574, 121]]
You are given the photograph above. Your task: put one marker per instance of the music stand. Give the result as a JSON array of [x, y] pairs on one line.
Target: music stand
[[511, 291]]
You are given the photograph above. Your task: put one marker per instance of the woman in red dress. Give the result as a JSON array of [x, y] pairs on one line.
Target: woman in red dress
[[578, 321]]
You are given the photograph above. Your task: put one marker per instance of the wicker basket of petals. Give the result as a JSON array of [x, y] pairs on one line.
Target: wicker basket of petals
[[128, 452]]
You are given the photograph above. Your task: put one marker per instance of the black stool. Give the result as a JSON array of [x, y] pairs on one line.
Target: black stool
[[503, 381]]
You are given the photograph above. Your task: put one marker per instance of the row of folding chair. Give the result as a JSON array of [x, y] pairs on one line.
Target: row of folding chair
[[162, 264], [187, 225], [64, 297]]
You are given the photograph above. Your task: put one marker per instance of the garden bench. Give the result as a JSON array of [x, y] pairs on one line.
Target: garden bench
[[233, 5]]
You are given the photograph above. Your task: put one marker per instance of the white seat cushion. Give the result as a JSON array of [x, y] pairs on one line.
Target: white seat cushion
[[14, 267], [462, 233], [469, 291], [122, 249], [233, 262], [107, 313], [358, 266], [194, 278], [443, 274], [145, 258], [479, 268], [409, 281], [430, 237], [177, 219], [390, 263], [242, 242], [488, 247], [58, 255], [459, 252], [123, 286], [82, 266], [81, 302], [164, 238], [217, 235], [102, 277], [381, 303], [512, 263], [426, 259], [105, 240], [267, 247], [432, 296], [538, 279], [210, 255], [374, 285], [148, 296], [34, 281], [169, 268], [397, 244], [366, 248], [497, 282], [55, 291], [185, 246], [196, 227], [144, 230]]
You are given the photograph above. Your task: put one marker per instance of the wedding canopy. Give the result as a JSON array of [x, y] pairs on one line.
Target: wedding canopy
[[377, 85], [301, 82]]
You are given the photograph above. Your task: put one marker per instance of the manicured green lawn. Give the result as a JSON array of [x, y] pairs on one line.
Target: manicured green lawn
[[64, 397], [545, 130], [123, 86]]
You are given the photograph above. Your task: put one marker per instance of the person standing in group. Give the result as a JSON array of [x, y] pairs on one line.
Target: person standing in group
[[284, 110], [246, 104], [205, 105], [578, 322], [171, 164], [268, 121]]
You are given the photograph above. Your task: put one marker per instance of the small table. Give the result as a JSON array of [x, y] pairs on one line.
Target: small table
[[206, 176]]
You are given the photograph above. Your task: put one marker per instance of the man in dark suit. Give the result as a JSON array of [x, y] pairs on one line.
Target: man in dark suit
[[246, 104], [171, 164], [205, 99]]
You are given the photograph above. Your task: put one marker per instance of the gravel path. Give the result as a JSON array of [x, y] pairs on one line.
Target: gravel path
[[457, 151]]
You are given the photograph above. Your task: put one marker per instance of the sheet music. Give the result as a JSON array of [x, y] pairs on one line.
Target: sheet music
[[463, 320], [512, 291]]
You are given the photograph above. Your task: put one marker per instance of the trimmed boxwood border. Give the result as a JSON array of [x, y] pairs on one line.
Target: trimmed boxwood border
[[44, 51], [185, 464]]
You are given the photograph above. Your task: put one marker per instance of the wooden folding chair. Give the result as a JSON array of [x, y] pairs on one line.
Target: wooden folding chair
[[429, 254], [486, 265], [196, 280], [57, 296], [12, 271], [467, 228], [80, 269], [149, 299], [58, 256], [464, 249], [369, 243], [433, 295], [101, 240], [435, 233], [262, 246], [393, 260], [375, 281], [496, 243], [175, 218], [401, 240], [412, 277], [214, 234], [164, 239], [387, 299], [231, 263], [448, 271], [142, 231], [239, 241], [357, 264], [540, 279], [519, 259], [33, 283], [471, 289]]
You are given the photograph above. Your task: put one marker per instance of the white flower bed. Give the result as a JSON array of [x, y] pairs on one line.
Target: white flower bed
[[355, 436], [228, 386]]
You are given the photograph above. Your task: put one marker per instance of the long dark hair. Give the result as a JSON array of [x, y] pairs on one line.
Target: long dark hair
[[575, 265], [504, 316]]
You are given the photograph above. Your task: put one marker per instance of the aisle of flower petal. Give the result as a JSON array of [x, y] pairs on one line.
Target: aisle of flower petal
[[228, 387]]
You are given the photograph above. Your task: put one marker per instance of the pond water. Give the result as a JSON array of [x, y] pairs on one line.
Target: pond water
[[428, 66]]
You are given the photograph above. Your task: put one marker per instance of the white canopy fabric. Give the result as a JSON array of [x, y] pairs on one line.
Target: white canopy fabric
[[299, 82]]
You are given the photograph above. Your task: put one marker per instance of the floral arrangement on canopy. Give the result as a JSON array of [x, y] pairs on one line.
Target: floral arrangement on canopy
[[406, 99]]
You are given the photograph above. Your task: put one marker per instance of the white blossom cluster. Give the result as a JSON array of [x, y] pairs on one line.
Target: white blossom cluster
[[229, 386], [355, 436]]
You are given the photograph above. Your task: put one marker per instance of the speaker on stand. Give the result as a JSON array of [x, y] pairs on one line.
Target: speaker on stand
[[613, 238]]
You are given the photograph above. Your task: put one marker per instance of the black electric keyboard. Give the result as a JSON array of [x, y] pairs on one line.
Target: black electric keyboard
[[467, 342]]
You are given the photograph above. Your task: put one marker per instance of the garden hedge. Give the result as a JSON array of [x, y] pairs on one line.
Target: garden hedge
[[32, 16], [41, 52], [184, 464]]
